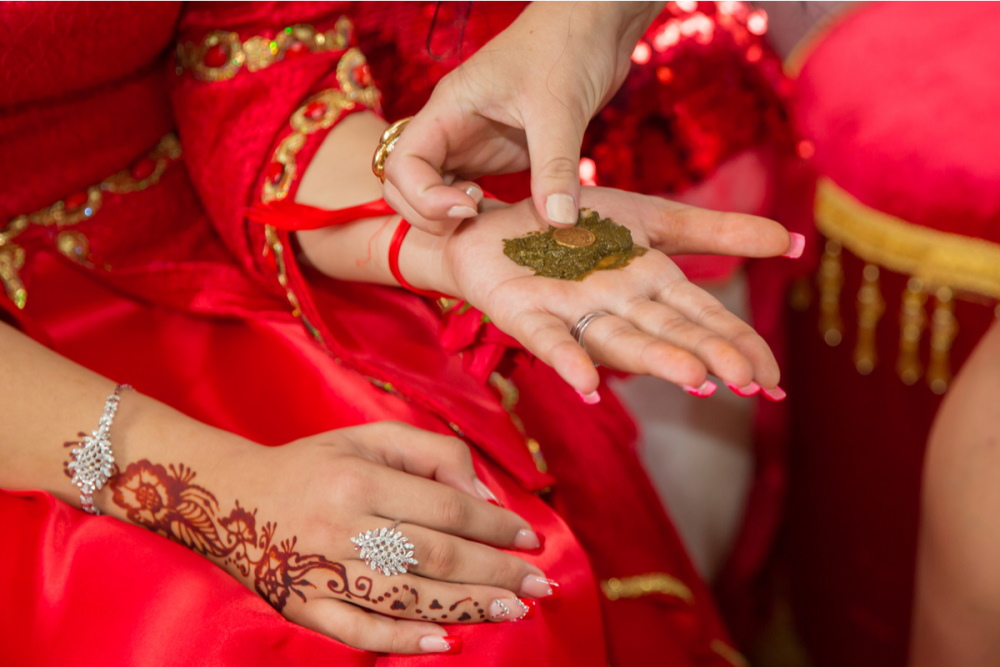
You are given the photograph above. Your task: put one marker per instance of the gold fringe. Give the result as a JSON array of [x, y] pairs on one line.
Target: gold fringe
[[871, 305], [944, 328], [935, 257], [912, 322], [831, 279]]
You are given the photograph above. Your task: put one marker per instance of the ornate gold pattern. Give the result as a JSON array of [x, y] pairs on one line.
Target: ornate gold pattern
[[656, 583], [944, 328], [871, 305], [275, 246], [256, 52], [912, 321], [831, 279], [77, 208]]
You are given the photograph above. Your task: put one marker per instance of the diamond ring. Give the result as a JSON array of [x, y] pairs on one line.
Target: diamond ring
[[386, 550]]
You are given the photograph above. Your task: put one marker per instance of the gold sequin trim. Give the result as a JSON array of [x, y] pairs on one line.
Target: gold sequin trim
[[75, 209], [509, 396], [656, 583], [221, 55]]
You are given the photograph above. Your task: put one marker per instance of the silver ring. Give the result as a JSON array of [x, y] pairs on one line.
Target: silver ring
[[580, 328], [386, 550]]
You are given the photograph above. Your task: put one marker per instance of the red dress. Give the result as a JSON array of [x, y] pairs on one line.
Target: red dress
[[128, 166]]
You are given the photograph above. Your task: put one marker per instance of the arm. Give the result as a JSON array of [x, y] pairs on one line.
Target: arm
[[276, 517], [663, 325], [524, 100]]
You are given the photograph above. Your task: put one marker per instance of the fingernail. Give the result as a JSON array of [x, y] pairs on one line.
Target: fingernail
[[776, 394], [527, 540], [485, 493], [561, 208], [592, 398], [796, 244], [433, 644], [749, 390], [706, 389], [538, 587], [475, 192], [462, 212], [512, 609]]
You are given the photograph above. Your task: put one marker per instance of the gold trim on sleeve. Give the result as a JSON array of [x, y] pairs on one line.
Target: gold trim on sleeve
[[656, 583]]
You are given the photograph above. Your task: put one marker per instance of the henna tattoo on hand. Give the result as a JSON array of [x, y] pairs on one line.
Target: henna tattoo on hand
[[167, 501]]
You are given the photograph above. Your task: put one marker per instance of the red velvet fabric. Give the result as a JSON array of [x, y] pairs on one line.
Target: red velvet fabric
[[184, 305]]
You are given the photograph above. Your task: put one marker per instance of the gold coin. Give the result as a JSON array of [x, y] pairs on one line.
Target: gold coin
[[574, 237]]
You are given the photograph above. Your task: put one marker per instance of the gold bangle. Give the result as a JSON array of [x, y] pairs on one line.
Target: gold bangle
[[385, 146]]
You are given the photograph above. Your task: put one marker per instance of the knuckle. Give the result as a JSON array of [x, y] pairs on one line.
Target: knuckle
[[441, 559], [351, 481], [454, 511]]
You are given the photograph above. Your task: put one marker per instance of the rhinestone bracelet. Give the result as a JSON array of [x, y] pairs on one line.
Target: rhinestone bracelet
[[92, 463]]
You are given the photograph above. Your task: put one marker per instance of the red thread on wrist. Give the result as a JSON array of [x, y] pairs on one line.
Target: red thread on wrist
[[292, 216], [395, 245]]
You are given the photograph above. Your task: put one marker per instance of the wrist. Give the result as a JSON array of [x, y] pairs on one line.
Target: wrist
[[423, 263]]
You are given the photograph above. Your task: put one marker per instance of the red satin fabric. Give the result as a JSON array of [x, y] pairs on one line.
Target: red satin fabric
[[178, 299]]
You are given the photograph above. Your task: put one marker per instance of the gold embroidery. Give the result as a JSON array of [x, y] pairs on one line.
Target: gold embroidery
[[275, 246], [937, 258], [728, 653], [646, 584], [77, 208], [221, 55], [509, 396]]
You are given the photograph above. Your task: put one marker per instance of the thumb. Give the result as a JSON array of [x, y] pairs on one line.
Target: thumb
[[554, 152]]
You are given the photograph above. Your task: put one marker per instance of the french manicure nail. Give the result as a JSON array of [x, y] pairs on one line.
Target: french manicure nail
[[749, 390], [512, 609], [561, 208], [462, 212], [433, 644], [796, 244], [776, 394], [706, 389], [592, 398], [538, 587], [527, 540], [485, 493], [475, 192]]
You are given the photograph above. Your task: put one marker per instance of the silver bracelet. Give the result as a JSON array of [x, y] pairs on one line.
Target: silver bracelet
[[92, 463]]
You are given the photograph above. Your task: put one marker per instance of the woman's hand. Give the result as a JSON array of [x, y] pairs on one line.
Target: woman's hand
[[281, 521], [524, 100], [659, 323]]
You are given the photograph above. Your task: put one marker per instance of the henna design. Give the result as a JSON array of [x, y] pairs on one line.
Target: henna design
[[166, 501]]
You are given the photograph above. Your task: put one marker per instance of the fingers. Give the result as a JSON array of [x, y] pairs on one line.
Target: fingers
[[554, 151], [363, 630]]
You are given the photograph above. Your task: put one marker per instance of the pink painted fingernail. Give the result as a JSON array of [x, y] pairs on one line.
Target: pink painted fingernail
[[528, 540], [447, 645], [512, 609], [475, 192], [462, 212], [776, 394], [749, 390], [485, 493], [561, 208], [706, 389], [796, 244], [592, 398], [538, 587]]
